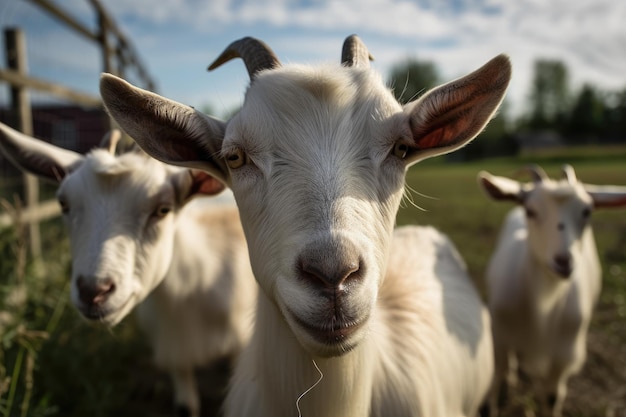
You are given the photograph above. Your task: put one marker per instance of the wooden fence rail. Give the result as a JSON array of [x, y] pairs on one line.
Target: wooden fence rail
[[32, 215], [118, 56]]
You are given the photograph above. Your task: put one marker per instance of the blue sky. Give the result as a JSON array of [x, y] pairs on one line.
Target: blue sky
[[177, 39]]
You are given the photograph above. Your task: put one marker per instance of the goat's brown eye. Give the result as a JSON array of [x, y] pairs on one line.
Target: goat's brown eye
[[530, 213], [400, 150], [162, 211], [65, 208], [586, 213], [236, 159]]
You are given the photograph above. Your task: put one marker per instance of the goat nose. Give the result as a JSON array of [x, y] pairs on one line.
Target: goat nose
[[330, 266], [563, 262], [321, 276], [94, 291]]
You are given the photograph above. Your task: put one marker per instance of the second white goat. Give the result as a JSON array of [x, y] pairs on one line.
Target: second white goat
[[544, 280], [136, 242]]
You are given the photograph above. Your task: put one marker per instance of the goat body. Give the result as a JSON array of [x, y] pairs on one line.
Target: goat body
[[316, 159], [425, 354], [138, 240], [544, 279]]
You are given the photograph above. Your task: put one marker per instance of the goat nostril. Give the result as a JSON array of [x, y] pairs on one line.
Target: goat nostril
[[96, 291], [563, 264], [560, 226], [562, 260], [321, 275]]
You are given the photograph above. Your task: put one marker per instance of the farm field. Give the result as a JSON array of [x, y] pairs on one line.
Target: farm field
[[53, 363]]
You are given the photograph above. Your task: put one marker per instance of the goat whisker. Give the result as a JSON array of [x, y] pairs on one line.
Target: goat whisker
[[310, 388]]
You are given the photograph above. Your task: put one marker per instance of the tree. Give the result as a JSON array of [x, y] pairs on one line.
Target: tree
[[549, 96], [411, 78], [587, 118], [615, 116]]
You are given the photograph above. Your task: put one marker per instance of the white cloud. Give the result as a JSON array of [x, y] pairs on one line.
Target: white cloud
[[178, 38]]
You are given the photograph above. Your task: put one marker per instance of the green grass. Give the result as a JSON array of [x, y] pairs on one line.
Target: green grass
[[52, 363]]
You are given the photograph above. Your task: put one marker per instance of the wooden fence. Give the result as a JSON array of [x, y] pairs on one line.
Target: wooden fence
[[118, 56]]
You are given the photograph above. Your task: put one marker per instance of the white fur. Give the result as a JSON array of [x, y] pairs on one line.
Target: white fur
[[186, 272], [316, 159], [540, 310]]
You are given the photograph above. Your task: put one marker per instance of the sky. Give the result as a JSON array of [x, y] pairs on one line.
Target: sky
[[178, 39]]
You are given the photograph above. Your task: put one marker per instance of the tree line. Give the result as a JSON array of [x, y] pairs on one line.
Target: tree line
[[588, 115]]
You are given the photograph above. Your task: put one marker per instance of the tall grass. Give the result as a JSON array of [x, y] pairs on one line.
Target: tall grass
[[52, 363]]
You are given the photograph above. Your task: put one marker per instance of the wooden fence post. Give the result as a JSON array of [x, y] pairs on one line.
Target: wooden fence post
[[15, 45]]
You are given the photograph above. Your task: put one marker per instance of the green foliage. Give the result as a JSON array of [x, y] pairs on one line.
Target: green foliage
[[587, 116], [52, 363], [549, 95]]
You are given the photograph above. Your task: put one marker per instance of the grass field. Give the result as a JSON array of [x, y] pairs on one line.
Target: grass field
[[52, 363]]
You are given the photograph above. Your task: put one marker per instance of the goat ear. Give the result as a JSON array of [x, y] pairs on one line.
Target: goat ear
[[169, 131], [204, 184], [500, 188], [607, 196], [448, 117], [191, 183], [36, 156]]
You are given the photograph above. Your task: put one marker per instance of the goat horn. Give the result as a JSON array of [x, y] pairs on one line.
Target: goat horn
[[354, 53], [110, 140], [536, 172], [569, 174], [255, 54]]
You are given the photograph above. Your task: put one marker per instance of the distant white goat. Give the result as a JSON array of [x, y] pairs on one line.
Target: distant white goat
[[316, 159], [544, 279], [136, 242]]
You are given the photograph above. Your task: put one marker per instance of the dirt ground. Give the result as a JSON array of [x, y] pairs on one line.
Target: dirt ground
[[599, 390]]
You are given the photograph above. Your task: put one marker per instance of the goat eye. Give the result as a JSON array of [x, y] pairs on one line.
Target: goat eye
[[236, 159], [586, 213], [65, 208], [400, 150], [530, 213], [162, 211]]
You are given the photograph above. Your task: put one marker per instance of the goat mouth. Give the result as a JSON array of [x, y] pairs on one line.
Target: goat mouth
[[562, 271], [331, 333], [107, 315], [95, 313]]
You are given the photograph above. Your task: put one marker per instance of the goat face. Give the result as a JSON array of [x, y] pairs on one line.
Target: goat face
[[119, 213], [316, 160], [318, 187], [557, 214]]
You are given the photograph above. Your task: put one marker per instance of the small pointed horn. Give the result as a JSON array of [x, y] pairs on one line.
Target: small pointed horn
[[255, 54], [110, 141], [536, 172], [569, 174], [354, 53]]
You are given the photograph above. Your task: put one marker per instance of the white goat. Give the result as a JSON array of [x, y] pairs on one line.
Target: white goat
[[544, 280], [316, 159], [136, 242]]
